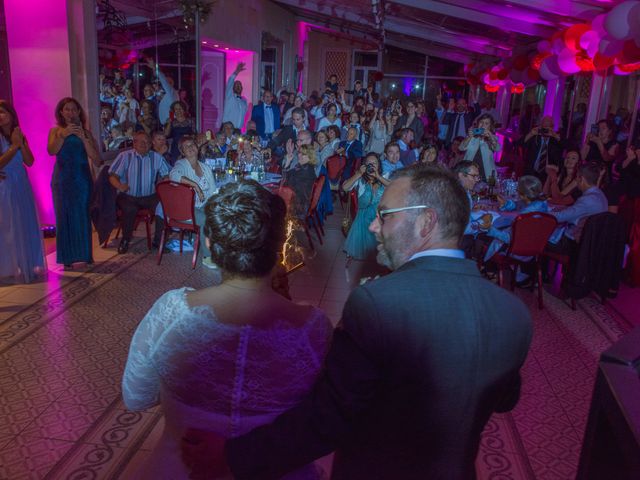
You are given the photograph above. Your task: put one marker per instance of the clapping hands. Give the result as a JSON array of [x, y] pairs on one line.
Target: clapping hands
[[17, 137]]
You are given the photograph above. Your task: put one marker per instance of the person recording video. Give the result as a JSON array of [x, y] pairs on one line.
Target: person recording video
[[543, 147]]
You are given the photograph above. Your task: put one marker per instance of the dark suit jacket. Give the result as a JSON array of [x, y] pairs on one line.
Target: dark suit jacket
[[420, 360], [416, 125], [532, 149], [257, 115], [355, 151], [280, 140], [450, 119]]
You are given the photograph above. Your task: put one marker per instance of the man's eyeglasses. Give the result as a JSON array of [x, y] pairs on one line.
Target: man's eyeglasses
[[475, 176], [383, 213]]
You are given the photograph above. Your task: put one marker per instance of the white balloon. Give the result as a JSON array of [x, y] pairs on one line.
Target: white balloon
[[610, 47], [546, 73], [618, 23]]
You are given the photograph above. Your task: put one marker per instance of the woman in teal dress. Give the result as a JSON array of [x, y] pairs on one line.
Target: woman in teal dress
[[361, 243], [73, 145], [21, 252]]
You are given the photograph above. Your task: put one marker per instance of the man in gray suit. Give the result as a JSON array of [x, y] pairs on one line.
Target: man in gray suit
[[420, 360]]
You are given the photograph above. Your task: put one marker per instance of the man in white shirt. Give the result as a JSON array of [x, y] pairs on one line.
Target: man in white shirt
[[235, 105], [170, 93]]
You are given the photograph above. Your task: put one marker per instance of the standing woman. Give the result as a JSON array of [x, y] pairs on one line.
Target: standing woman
[[378, 136], [480, 145], [22, 258], [73, 145], [178, 125]]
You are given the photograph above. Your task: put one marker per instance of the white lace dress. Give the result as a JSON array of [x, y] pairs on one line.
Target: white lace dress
[[213, 376]]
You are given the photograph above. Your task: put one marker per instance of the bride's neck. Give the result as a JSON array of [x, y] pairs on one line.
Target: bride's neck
[[250, 284]]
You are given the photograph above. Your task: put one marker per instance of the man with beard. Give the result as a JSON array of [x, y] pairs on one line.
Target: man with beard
[[418, 363], [460, 120], [235, 105]]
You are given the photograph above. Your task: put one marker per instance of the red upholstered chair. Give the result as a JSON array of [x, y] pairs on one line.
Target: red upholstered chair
[[529, 235], [178, 205], [143, 215], [565, 261], [335, 166], [287, 194], [312, 218]]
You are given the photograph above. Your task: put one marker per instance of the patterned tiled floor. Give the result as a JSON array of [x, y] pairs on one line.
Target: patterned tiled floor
[[63, 345]]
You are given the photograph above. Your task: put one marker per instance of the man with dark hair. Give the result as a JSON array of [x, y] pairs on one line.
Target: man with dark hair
[[408, 155], [591, 202], [332, 83], [420, 360], [266, 115], [391, 160], [468, 174], [288, 132]]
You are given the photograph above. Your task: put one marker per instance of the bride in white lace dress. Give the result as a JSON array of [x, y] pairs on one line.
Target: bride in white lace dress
[[230, 357]]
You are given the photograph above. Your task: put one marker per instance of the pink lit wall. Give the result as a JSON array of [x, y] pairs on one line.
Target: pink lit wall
[[232, 58], [38, 39]]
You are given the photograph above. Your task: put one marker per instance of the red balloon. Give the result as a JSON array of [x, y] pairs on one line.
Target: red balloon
[[521, 62], [630, 52], [493, 75], [533, 74], [492, 88], [602, 62], [572, 35], [503, 73]]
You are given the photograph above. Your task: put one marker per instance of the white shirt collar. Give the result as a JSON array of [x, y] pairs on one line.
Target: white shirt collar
[[439, 252]]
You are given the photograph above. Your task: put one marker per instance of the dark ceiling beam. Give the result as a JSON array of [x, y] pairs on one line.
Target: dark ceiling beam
[[472, 43], [453, 55], [479, 16]]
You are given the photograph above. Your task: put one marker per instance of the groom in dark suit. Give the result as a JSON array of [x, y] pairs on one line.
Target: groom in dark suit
[[420, 360], [267, 116]]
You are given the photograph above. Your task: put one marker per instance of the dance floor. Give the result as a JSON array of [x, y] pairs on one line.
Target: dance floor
[[63, 346]]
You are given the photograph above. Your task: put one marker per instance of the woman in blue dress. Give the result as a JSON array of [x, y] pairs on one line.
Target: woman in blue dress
[[22, 258], [361, 243], [73, 145]]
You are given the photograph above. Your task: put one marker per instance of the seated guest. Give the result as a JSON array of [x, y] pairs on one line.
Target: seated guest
[[325, 149], [184, 355], [562, 187], [215, 148], [429, 156], [408, 155], [591, 202], [361, 243], [107, 122], [542, 146], [454, 154], [468, 175], [351, 148], [133, 174], [298, 102], [159, 144], [279, 140], [391, 161], [191, 171], [533, 200], [249, 155], [266, 116], [354, 122], [333, 133], [480, 145], [117, 139], [299, 176]]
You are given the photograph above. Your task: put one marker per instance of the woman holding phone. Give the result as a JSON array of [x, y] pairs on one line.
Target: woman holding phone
[[73, 145]]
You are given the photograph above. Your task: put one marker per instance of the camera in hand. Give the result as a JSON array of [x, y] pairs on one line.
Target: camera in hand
[[478, 131], [544, 131], [371, 169]]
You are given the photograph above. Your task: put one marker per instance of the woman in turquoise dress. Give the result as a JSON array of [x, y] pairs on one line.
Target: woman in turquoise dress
[[73, 145], [22, 257], [361, 243]]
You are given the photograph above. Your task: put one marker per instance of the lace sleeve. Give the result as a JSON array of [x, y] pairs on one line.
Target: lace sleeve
[[141, 381]]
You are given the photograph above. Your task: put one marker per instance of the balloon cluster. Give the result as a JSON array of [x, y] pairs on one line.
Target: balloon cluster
[[610, 40], [121, 59]]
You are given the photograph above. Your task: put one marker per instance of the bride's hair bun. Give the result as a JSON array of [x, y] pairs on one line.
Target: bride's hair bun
[[245, 225]]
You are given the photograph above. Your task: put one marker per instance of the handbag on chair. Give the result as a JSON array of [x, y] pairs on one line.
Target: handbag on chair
[[346, 220]]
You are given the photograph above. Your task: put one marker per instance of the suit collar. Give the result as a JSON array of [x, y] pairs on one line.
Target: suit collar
[[461, 266]]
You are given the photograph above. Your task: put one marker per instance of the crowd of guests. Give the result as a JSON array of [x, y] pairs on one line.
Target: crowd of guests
[[297, 135]]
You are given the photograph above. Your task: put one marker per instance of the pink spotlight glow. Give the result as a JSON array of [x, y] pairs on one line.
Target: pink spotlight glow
[[216, 45], [38, 42]]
